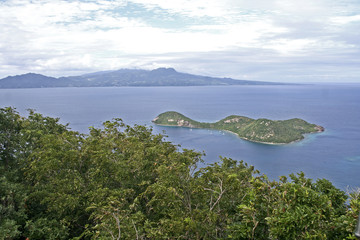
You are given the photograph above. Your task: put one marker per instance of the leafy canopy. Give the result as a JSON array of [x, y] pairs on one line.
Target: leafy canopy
[[123, 182]]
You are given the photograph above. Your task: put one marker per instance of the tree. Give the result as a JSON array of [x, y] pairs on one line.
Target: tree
[[124, 182], [12, 192]]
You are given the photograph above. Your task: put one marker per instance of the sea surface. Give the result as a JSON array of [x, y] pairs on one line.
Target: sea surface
[[333, 154]]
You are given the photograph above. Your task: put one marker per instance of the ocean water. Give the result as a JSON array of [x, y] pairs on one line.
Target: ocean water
[[333, 154]]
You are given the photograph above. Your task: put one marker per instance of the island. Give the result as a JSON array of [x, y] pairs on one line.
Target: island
[[256, 130], [124, 78]]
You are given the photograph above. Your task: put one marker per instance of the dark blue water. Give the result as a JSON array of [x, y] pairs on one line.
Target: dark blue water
[[334, 154]]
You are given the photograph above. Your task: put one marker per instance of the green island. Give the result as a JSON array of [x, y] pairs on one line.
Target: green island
[[256, 130]]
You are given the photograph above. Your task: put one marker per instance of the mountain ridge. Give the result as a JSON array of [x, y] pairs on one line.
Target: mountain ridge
[[121, 78]]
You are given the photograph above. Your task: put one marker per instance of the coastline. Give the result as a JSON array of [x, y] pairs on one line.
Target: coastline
[[263, 131], [268, 143]]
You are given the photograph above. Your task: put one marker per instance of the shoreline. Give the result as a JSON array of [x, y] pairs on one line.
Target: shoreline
[[243, 138]]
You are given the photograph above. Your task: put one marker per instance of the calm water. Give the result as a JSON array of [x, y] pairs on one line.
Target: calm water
[[334, 154]]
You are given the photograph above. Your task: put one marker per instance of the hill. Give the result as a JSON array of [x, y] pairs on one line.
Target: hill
[[259, 130], [122, 77], [32, 80]]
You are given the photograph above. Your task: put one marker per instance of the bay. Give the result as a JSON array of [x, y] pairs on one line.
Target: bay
[[333, 154]]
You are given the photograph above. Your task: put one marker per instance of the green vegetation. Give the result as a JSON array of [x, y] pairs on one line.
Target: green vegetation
[[123, 182], [260, 130]]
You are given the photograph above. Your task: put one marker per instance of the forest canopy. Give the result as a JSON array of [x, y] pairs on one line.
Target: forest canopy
[[125, 182]]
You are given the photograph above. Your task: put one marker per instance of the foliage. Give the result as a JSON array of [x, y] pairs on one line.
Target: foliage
[[260, 130], [122, 182]]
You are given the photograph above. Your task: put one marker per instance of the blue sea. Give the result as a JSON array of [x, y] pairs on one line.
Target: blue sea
[[333, 154]]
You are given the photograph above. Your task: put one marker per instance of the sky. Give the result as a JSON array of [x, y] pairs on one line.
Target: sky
[[267, 40]]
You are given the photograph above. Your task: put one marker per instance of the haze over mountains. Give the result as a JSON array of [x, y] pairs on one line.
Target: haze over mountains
[[122, 77]]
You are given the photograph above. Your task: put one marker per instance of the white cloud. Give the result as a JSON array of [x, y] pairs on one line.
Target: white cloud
[[346, 19], [62, 37], [291, 46], [187, 7]]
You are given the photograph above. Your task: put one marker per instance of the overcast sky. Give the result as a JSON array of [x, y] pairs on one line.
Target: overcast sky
[[269, 40]]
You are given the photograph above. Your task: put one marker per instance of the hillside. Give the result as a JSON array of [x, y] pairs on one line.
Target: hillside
[[259, 130], [122, 77], [32, 80]]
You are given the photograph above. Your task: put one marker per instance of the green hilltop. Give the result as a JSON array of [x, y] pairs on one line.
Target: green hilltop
[[257, 130]]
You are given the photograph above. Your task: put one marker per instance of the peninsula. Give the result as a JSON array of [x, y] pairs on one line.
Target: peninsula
[[256, 130]]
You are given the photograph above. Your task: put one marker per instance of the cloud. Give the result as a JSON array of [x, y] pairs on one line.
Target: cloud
[[346, 19], [259, 39]]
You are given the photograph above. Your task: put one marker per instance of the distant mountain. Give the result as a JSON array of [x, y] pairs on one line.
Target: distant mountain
[[122, 77], [31, 80]]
